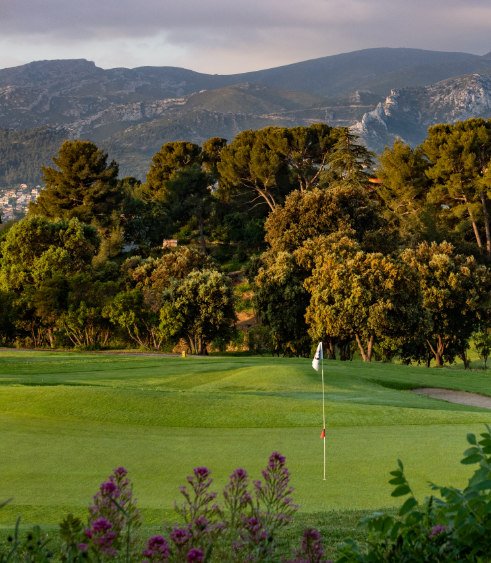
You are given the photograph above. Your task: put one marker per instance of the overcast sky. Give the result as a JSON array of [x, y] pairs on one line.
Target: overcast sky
[[228, 36]]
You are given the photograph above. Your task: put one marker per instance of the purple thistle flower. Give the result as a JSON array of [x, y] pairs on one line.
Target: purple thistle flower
[[195, 556], [276, 460], [157, 549], [202, 473], [101, 525], [179, 536], [83, 546], [239, 475], [201, 522], [108, 488], [120, 472], [157, 542]]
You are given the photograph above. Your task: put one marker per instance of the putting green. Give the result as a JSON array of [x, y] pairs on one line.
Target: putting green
[[67, 420]]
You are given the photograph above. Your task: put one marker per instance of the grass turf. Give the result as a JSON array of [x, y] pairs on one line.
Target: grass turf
[[67, 420]]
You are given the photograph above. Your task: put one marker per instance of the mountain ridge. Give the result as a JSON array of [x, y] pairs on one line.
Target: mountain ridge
[[408, 112], [383, 94]]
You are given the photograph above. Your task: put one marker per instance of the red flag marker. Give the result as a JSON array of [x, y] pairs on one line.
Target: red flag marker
[[323, 433]]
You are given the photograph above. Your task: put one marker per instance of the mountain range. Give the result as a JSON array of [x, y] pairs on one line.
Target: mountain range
[[381, 93]]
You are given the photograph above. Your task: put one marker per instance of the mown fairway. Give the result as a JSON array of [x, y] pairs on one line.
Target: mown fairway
[[66, 420]]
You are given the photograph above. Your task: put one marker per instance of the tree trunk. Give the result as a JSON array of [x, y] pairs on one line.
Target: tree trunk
[[201, 234], [367, 356], [370, 347], [476, 230], [464, 358], [486, 224], [342, 352], [331, 349], [193, 344], [50, 336], [438, 352]]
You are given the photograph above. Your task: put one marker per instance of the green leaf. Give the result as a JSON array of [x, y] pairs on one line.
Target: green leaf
[[395, 530], [476, 458], [399, 463], [396, 473], [471, 438], [401, 491], [208, 553], [471, 451], [408, 506], [483, 485], [397, 481]]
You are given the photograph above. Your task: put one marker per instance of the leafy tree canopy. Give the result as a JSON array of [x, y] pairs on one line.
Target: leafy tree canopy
[[282, 300], [455, 292], [367, 296], [322, 212], [199, 308], [36, 249], [157, 273]]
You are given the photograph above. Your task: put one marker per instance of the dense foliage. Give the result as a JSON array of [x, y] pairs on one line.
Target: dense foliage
[[386, 261]]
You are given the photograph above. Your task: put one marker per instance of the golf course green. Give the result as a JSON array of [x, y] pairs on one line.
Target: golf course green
[[67, 419]]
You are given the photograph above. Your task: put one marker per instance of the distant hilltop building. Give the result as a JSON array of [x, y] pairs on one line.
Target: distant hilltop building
[[169, 242]]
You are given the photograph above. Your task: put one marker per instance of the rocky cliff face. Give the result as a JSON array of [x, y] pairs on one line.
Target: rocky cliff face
[[407, 113]]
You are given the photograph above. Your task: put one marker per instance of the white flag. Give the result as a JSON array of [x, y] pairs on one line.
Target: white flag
[[318, 356]]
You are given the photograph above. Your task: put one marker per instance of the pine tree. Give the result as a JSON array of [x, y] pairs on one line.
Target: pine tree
[[171, 159], [85, 186]]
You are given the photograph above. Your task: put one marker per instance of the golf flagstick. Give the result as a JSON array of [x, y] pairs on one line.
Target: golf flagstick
[[323, 417], [319, 355]]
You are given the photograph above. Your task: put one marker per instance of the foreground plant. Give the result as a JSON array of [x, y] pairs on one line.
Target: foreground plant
[[455, 527], [242, 528]]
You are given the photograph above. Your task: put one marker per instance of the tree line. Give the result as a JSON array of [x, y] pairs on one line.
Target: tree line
[[386, 256]]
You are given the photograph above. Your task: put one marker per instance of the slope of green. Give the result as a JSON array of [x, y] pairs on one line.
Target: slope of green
[[251, 98], [67, 420], [22, 153]]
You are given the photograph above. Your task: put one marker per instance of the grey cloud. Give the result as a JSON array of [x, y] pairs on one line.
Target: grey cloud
[[222, 35]]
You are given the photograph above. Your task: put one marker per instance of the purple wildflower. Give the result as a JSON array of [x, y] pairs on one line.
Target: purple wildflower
[[276, 461], [179, 536], [202, 473], [108, 488], [437, 530], [101, 525], [201, 523], [157, 549], [195, 556]]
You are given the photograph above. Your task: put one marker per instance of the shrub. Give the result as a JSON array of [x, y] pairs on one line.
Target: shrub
[[455, 527]]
